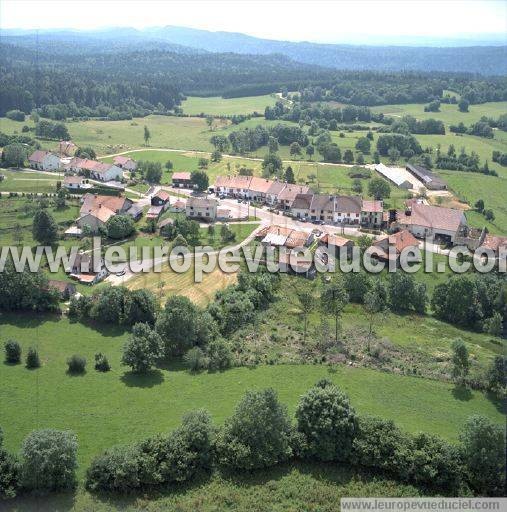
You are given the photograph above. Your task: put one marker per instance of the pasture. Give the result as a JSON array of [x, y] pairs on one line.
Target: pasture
[[99, 406], [449, 114], [217, 106]]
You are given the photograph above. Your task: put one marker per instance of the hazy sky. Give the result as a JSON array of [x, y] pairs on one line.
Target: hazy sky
[[332, 20]]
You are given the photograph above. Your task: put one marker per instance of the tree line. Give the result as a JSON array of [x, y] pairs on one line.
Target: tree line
[[260, 434]]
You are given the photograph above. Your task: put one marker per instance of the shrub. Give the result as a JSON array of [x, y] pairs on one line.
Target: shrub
[[101, 363], [380, 444], [12, 352], [115, 470], [120, 226], [328, 422], [257, 435], [483, 454], [195, 359], [32, 358], [436, 463], [178, 457], [219, 354], [76, 364], [142, 349], [48, 460], [9, 475]]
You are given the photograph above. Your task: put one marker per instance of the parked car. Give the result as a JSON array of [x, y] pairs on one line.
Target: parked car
[[318, 222]]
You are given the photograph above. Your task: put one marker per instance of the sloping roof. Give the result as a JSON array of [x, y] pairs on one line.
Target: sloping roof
[[102, 168], [372, 206], [494, 242], [400, 240], [274, 239], [425, 175], [276, 187], [179, 204], [69, 180], [290, 192], [233, 181], [38, 156], [429, 216], [162, 194], [83, 163], [349, 204], [323, 202], [101, 213], [260, 185], [302, 201], [154, 211], [391, 174], [337, 241], [201, 202], [66, 147], [122, 160], [282, 235], [165, 222], [93, 201], [181, 176], [297, 239]]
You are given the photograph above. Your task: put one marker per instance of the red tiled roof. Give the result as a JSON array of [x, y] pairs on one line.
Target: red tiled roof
[[335, 240], [181, 176]]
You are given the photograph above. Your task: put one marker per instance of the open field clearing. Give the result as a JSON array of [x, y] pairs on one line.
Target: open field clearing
[[35, 182], [168, 282], [493, 190], [98, 406], [217, 106], [449, 114]]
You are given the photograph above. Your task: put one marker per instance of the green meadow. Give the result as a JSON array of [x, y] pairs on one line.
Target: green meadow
[[99, 406], [217, 106]]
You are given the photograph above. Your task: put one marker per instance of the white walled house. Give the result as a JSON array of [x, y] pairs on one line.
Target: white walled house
[[106, 172], [44, 161], [125, 162]]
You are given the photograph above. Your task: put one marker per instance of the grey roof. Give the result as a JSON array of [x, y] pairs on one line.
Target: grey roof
[[349, 204], [323, 202], [201, 202], [425, 175], [302, 201]]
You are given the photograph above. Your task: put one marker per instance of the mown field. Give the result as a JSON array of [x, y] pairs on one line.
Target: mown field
[[99, 407], [217, 106], [449, 114], [36, 182]]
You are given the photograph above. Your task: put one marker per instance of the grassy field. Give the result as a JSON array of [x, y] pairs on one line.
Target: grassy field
[[169, 283], [98, 406], [17, 181], [217, 106], [449, 114]]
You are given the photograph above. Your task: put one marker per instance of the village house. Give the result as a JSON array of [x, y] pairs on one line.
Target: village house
[[96, 210], [337, 245], [178, 206], [95, 170], [76, 183], [232, 186], [65, 289], [154, 212], [66, 148], [125, 162], [348, 209], [494, 243], [372, 214], [389, 248], [424, 220], [85, 271], [274, 191], [288, 195], [301, 206], [258, 189], [44, 161], [182, 180], [278, 236], [135, 211], [161, 198], [201, 208]]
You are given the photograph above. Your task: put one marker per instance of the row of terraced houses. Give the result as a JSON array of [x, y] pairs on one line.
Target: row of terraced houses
[[301, 202]]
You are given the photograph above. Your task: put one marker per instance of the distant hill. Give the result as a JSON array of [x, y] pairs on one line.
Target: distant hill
[[481, 59]]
